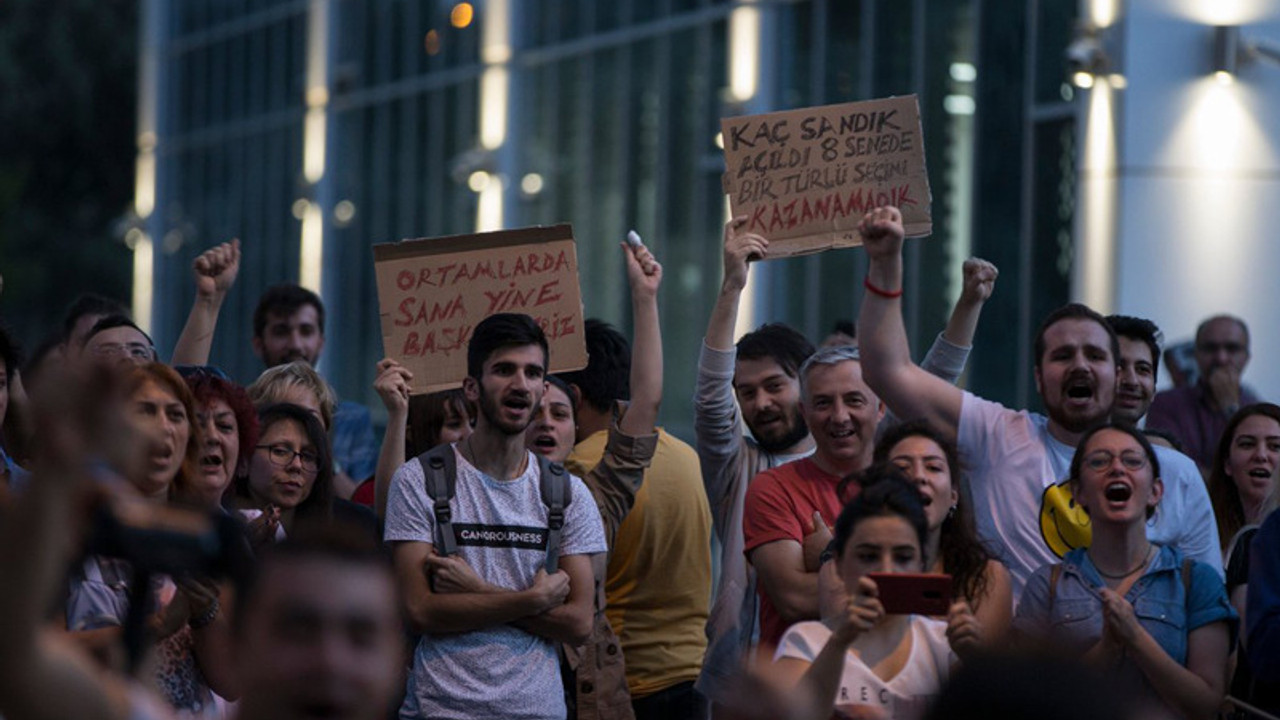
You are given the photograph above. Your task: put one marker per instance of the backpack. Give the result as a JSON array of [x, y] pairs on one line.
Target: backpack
[[440, 470]]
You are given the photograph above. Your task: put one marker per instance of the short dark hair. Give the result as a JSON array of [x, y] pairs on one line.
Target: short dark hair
[[607, 376], [1075, 311], [501, 331], [778, 342], [338, 541], [884, 490], [285, 299], [115, 321], [10, 353], [1136, 328], [90, 304], [427, 416]]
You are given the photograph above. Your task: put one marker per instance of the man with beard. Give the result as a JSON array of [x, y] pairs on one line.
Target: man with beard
[[1139, 340], [1197, 414], [1018, 460], [784, 505], [762, 374], [490, 615]]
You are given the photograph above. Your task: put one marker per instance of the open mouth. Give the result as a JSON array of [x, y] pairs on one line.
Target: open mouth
[[211, 462], [1079, 390], [1260, 472], [1118, 492], [517, 402], [544, 442]]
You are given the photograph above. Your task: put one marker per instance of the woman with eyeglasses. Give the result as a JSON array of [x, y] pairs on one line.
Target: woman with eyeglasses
[[290, 474], [1145, 613]]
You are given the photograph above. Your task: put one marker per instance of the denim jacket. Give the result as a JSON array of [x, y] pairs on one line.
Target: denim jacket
[[1168, 609]]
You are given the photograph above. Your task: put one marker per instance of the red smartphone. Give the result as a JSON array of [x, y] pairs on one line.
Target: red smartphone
[[913, 593]]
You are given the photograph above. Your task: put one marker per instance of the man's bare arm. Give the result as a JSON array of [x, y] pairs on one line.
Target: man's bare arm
[[886, 356], [791, 589], [570, 622]]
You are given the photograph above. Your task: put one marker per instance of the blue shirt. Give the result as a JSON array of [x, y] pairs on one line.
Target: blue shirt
[[1165, 608], [355, 449]]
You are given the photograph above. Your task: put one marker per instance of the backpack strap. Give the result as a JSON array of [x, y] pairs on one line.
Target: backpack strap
[[556, 495], [1055, 572], [1186, 576], [440, 473]]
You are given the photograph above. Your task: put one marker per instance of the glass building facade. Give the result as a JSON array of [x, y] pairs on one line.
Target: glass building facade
[[313, 129]]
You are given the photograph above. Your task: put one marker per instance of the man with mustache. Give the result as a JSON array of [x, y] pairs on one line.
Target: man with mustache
[[1015, 458], [490, 614], [1197, 414]]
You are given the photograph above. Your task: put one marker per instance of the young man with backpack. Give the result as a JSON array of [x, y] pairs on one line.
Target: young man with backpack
[[495, 585]]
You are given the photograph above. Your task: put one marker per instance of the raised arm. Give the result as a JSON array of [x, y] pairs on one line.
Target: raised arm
[[979, 282], [909, 391], [392, 385], [739, 249], [215, 272], [644, 274]]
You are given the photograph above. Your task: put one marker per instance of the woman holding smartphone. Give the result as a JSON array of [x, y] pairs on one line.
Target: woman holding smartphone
[[865, 662], [1152, 618]]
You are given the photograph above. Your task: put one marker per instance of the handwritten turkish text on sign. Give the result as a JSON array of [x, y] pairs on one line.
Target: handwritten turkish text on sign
[[805, 177], [433, 292]]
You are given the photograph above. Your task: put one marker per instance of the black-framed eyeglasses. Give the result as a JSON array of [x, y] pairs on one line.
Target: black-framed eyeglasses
[[1100, 460], [282, 456]]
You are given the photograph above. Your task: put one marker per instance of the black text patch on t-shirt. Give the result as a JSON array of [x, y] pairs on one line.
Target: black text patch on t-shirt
[[516, 536]]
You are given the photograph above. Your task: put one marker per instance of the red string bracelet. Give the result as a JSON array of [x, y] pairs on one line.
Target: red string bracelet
[[866, 283]]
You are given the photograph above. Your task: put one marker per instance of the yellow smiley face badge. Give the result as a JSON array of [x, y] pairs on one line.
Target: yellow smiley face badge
[[1063, 523]]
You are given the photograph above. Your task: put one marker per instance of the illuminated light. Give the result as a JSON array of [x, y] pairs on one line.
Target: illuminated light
[[132, 238], [963, 72], [478, 181], [309, 262], [462, 15], [144, 192], [744, 52], [1082, 80], [1222, 12], [496, 35], [489, 208], [1067, 92], [313, 145], [147, 141], [720, 140], [1093, 280], [431, 43], [300, 207], [1222, 77], [143, 268], [531, 184], [344, 211], [1117, 81], [493, 107], [1103, 12], [958, 104], [317, 97]]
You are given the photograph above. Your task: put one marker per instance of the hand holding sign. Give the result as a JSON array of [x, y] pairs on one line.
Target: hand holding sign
[[804, 177], [740, 247]]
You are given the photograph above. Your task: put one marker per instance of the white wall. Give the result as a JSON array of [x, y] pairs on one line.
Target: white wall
[[1198, 224]]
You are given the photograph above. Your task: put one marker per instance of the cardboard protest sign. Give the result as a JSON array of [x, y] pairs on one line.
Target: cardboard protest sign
[[805, 177], [433, 292]]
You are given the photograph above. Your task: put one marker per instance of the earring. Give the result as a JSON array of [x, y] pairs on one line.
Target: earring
[[952, 512]]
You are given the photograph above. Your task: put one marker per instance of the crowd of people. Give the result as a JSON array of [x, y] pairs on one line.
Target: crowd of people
[[850, 534]]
